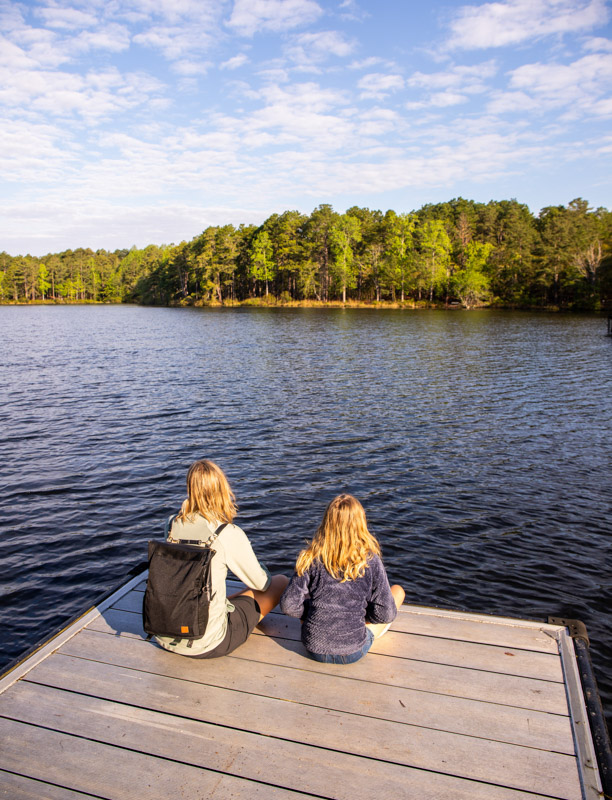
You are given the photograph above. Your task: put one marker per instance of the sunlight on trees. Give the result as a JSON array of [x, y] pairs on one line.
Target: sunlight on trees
[[43, 284], [459, 252], [470, 283]]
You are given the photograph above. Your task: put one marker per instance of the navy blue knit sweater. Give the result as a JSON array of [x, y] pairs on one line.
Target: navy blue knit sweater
[[334, 613]]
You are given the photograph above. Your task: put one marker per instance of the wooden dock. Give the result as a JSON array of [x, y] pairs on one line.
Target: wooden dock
[[446, 706]]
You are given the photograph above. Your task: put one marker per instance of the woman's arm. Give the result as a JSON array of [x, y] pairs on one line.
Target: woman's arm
[[295, 596], [242, 560], [381, 606]]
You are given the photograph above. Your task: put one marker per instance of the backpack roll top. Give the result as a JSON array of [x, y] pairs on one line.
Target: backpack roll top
[[178, 590]]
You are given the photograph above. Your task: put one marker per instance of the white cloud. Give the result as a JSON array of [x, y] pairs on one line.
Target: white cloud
[[598, 45], [252, 16], [450, 87], [378, 122], [304, 115], [580, 85], [66, 18], [172, 164], [201, 12], [111, 37], [466, 79], [309, 95], [372, 61], [11, 16], [572, 91], [190, 68], [178, 28], [379, 85], [35, 152], [602, 108], [94, 96], [350, 10], [276, 75], [512, 102], [313, 48], [513, 21], [446, 99], [66, 224], [605, 146], [45, 48], [14, 57], [235, 62], [176, 42]]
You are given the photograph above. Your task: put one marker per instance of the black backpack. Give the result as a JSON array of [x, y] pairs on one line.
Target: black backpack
[[178, 591]]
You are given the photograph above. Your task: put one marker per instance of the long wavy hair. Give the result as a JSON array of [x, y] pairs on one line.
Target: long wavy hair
[[342, 543], [208, 494]]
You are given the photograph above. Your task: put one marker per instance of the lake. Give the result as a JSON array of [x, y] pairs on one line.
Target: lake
[[479, 443]]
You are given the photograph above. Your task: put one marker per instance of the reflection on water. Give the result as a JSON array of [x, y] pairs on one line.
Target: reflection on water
[[478, 442]]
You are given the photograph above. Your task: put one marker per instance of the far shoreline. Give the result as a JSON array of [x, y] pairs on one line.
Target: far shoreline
[[273, 303]]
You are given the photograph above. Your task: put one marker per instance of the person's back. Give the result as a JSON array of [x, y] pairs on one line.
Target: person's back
[[210, 502], [234, 553], [340, 588]]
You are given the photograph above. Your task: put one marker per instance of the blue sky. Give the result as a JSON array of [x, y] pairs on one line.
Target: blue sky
[[144, 121]]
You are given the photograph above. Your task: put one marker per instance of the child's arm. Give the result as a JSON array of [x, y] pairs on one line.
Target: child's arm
[[295, 596], [381, 606]]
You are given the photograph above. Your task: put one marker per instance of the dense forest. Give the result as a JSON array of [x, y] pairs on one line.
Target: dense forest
[[459, 252]]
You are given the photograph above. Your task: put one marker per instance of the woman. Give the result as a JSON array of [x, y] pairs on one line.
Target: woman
[[340, 588], [211, 502]]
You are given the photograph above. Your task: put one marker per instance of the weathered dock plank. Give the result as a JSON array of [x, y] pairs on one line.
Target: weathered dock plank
[[483, 632], [330, 691], [16, 787], [384, 667], [279, 762], [119, 773], [503, 764]]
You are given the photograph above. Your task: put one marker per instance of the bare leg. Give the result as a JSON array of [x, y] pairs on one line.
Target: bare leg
[[268, 599], [378, 629]]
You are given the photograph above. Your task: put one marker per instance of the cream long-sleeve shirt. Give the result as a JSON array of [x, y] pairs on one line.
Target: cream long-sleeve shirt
[[234, 552]]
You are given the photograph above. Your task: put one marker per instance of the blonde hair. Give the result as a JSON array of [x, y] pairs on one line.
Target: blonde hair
[[208, 493], [342, 543]]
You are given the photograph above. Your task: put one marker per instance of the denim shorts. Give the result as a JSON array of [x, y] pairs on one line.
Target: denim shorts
[[326, 658]]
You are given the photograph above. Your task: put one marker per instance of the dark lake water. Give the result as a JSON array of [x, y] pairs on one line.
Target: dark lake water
[[479, 443]]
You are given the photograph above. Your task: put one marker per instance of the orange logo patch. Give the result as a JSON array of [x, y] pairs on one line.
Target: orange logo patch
[[184, 629]]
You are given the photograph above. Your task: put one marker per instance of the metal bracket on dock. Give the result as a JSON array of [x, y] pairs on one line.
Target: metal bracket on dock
[[577, 628]]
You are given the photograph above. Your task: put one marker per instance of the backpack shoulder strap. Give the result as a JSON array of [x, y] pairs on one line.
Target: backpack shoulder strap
[[212, 538], [168, 525]]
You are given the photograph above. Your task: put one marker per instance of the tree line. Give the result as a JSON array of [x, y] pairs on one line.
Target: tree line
[[458, 252]]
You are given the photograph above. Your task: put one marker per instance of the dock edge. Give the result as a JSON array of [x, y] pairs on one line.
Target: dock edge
[[30, 658], [591, 737]]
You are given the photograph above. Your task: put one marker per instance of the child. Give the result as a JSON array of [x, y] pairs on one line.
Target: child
[[210, 502], [340, 588]]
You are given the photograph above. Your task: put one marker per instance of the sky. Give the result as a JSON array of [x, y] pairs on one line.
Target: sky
[[135, 122]]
